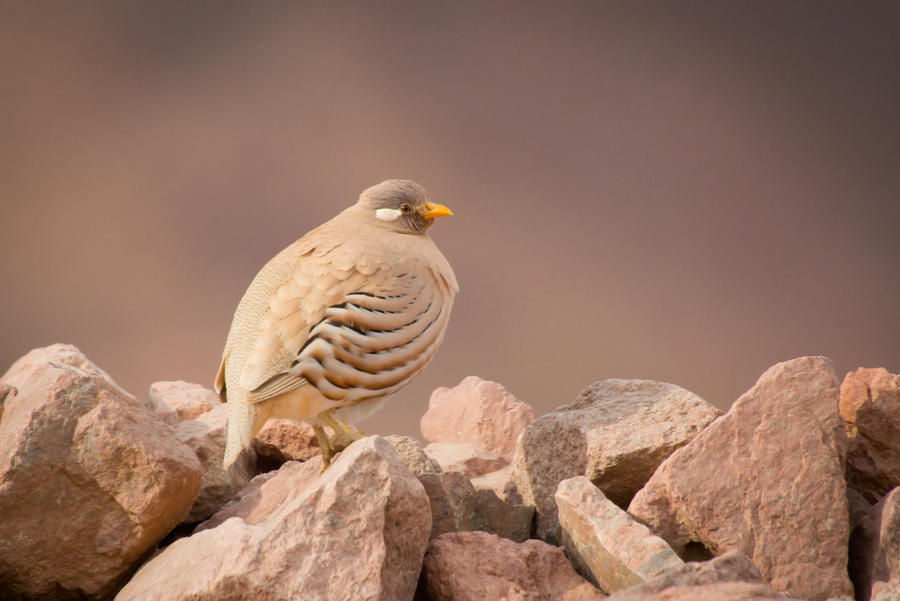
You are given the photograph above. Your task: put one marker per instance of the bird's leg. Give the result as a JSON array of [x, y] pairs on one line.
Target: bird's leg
[[325, 445], [344, 435]]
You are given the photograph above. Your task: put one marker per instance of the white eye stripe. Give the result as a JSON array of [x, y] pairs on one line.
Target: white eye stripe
[[388, 214]]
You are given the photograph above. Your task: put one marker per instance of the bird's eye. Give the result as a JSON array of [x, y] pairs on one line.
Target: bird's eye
[[406, 208]]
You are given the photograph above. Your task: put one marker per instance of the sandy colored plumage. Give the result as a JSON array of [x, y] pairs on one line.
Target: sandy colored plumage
[[339, 320]]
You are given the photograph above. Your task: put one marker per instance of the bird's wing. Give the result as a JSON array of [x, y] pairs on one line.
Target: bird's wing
[[320, 276], [368, 340]]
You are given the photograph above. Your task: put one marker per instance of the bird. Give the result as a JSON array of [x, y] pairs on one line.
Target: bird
[[339, 321]]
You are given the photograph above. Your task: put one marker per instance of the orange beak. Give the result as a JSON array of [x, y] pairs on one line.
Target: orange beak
[[432, 210]]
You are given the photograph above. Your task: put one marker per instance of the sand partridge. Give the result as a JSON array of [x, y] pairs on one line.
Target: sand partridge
[[339, 320]]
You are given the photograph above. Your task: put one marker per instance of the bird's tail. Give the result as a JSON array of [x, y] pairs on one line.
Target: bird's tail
[[241, 428]]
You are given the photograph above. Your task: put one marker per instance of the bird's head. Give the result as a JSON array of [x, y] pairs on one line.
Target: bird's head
[[401, 205]]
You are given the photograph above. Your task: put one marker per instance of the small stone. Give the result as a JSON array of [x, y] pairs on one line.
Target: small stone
[[476, 566], [870, 405], [465, 458], [413, 456], [479, 412], [282, 440], [613, 551], [501, 482], [616, 433], [205, 435], [767, 479], [177, 401]]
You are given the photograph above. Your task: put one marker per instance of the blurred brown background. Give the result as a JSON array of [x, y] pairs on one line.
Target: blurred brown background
[[687, 192]]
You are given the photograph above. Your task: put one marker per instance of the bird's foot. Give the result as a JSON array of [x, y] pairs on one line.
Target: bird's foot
[[343, 437]]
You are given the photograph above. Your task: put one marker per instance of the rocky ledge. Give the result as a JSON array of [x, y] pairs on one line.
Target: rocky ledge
[[637, 491]]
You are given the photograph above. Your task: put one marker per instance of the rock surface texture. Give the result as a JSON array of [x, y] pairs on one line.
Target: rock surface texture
[[616, 433], [875, 546], [357, 531], [870, 404], [205, 435], [177, 400], [467, 459], [457, 506], [732, 576], [476, 566], [615, 551], [283, 440], [414, 458], [479, 412], [90, 479], [767, 479], [501, 482]]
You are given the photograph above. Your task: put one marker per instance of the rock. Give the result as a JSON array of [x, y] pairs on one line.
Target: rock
[[265, 493], [90, 479], [177, 401], [886, 591], [457, 506], [875, 546], [452, 500], [476, 566], [496, 516], [612, 550], [413, 456], [733, 566], [858, 506], [282, 440], [870, 405], [479, 412], [616, 433], [501, 482], [206, 435], [718, 591], [358, 531], [465, 458], [765, 479], [5, 391]]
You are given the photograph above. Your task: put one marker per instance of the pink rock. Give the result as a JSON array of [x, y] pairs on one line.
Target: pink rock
[[870, 404], [414, 458], [612, 549], [886, 591], [616, 433], [177, 401], [476, 566], [90, 479], [206, 436], [265, 493], [457, 506], [283, 440], [875, 546], [451, 498], [731, 577], [357, 531], [479, 412], [717, 591], [501, 482], [765, 479], [465, 458]]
